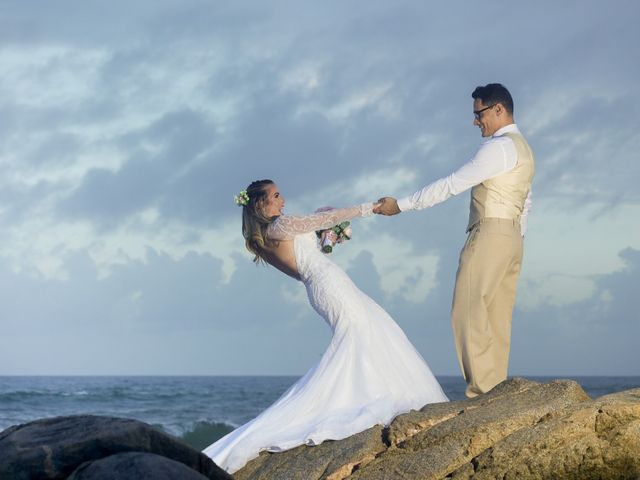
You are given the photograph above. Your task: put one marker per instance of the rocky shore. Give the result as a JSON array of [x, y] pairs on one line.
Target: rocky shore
[[519, 430]]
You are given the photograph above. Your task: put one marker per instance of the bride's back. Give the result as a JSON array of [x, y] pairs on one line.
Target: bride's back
[[282, 256]]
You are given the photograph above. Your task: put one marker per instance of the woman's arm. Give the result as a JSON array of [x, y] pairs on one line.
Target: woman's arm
[[286, 227]]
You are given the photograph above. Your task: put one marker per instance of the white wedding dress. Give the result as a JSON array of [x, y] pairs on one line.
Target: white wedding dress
[[369, 374]]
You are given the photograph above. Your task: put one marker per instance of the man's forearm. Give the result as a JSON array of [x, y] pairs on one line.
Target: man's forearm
[[434, 193]]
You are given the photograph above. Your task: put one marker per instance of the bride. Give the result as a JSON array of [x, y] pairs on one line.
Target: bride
[[369, 373]]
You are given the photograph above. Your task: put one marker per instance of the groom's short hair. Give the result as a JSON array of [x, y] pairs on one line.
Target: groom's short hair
[[494, 93]]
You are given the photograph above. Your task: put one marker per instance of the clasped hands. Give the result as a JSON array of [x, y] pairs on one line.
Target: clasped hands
[[386, 206]]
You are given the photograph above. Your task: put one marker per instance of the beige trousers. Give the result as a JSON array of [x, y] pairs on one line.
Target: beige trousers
[[483, 302]]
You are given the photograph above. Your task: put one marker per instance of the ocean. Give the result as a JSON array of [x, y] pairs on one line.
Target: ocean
[[199, 410]]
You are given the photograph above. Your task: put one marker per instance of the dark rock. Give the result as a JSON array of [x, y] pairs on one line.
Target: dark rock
[[135, 465], [53, 448]]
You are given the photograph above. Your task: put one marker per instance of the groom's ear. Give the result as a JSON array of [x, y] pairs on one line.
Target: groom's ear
[[501, 111]]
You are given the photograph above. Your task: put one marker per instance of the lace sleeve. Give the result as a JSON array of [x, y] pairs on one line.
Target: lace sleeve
[[286, 227]]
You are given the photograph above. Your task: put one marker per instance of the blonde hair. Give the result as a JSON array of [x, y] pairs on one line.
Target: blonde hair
[[254, 222]]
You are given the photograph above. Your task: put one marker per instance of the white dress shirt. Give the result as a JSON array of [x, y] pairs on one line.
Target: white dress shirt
[[495, 156]]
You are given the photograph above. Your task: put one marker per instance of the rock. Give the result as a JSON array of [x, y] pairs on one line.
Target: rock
[[436, 451], [53, 448], [407, 425], [330, 460], [135, 465], [591, 440]]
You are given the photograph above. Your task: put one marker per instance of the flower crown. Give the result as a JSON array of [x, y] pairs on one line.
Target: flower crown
[[242, 199]]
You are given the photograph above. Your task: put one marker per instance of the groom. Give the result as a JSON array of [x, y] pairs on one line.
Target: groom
[[499, 175]]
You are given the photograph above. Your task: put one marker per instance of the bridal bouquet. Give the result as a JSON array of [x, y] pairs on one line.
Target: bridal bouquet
[[337, 234]]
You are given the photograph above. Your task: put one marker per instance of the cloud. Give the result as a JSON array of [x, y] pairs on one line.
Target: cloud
[[616, 298], [593, 336], [585, 161], [147, 177]]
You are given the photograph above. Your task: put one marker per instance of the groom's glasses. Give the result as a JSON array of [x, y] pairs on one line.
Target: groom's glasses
[[478, 113]]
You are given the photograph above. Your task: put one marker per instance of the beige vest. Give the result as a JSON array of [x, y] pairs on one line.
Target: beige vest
[[504, 196]]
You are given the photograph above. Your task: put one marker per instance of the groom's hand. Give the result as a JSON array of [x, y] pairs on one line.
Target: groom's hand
[[388, 206]]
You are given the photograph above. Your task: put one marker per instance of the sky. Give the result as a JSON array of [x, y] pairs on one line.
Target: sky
[[126, 128]]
